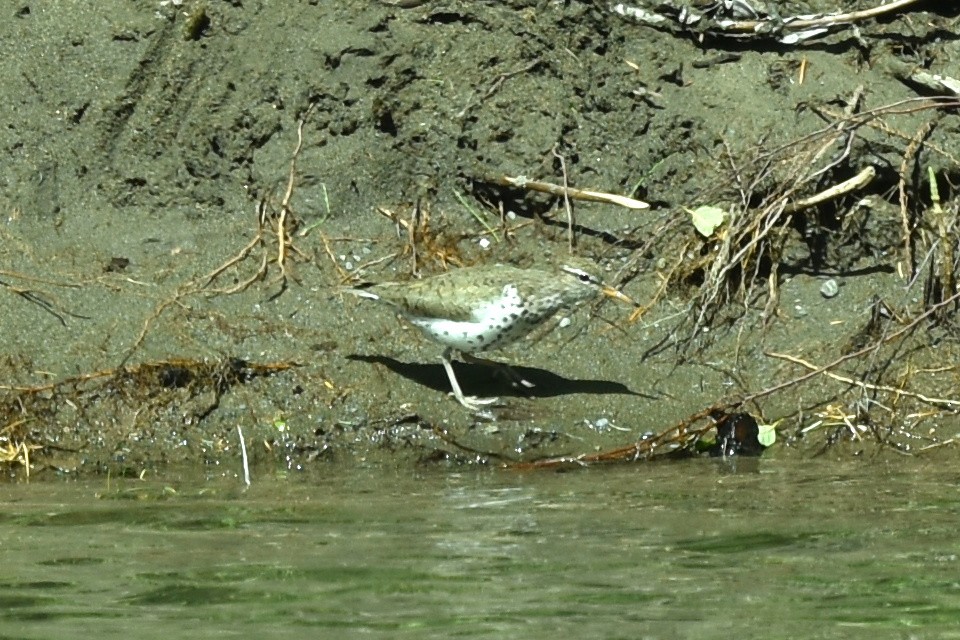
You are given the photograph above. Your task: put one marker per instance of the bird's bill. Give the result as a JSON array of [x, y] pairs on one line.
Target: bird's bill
[[616, 294]]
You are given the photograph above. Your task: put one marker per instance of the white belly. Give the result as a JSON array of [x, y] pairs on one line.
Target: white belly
[[463, 336], [492, 326]]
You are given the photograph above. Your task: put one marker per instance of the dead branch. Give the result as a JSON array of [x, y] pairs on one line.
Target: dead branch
[[907, 223], [685, 434], [577, 194], [859, 181], [862, 384], [726, 19]]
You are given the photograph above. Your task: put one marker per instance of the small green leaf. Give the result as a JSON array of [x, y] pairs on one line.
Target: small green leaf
[[707, 218], [768, 433]]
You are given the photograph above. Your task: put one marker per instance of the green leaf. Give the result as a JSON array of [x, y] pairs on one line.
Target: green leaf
[[707, 218], [768, 433]]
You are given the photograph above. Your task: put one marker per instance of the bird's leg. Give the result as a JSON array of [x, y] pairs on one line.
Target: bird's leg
[[470, 402], [505, 369]]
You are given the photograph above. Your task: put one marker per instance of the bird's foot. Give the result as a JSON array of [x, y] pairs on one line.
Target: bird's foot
[[473, 403], [514, 377]]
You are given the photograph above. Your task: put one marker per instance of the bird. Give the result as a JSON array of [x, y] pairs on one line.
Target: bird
[[484, 307]]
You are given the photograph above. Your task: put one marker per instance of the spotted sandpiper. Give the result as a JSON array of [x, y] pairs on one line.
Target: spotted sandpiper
[[486, 307]]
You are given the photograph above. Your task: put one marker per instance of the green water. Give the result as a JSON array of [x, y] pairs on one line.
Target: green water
[[686, 550]]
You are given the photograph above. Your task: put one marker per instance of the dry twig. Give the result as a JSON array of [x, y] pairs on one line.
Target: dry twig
[[577, 194]]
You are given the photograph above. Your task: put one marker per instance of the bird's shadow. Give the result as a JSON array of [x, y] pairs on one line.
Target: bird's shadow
[[478, 379]]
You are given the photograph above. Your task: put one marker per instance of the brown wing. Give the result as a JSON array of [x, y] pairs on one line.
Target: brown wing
[[453, 295]]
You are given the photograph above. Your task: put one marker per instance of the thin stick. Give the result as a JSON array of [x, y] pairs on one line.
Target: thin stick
[[861, 383], [243, 453], [23, 276], [571, 241], [412, 237], [577, 194], [930, 311], [257, 238], [858, 181], [906, 223], [259, 275], [282, 238]]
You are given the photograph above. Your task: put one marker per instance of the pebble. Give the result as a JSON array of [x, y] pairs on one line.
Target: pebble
[[829, 288]]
